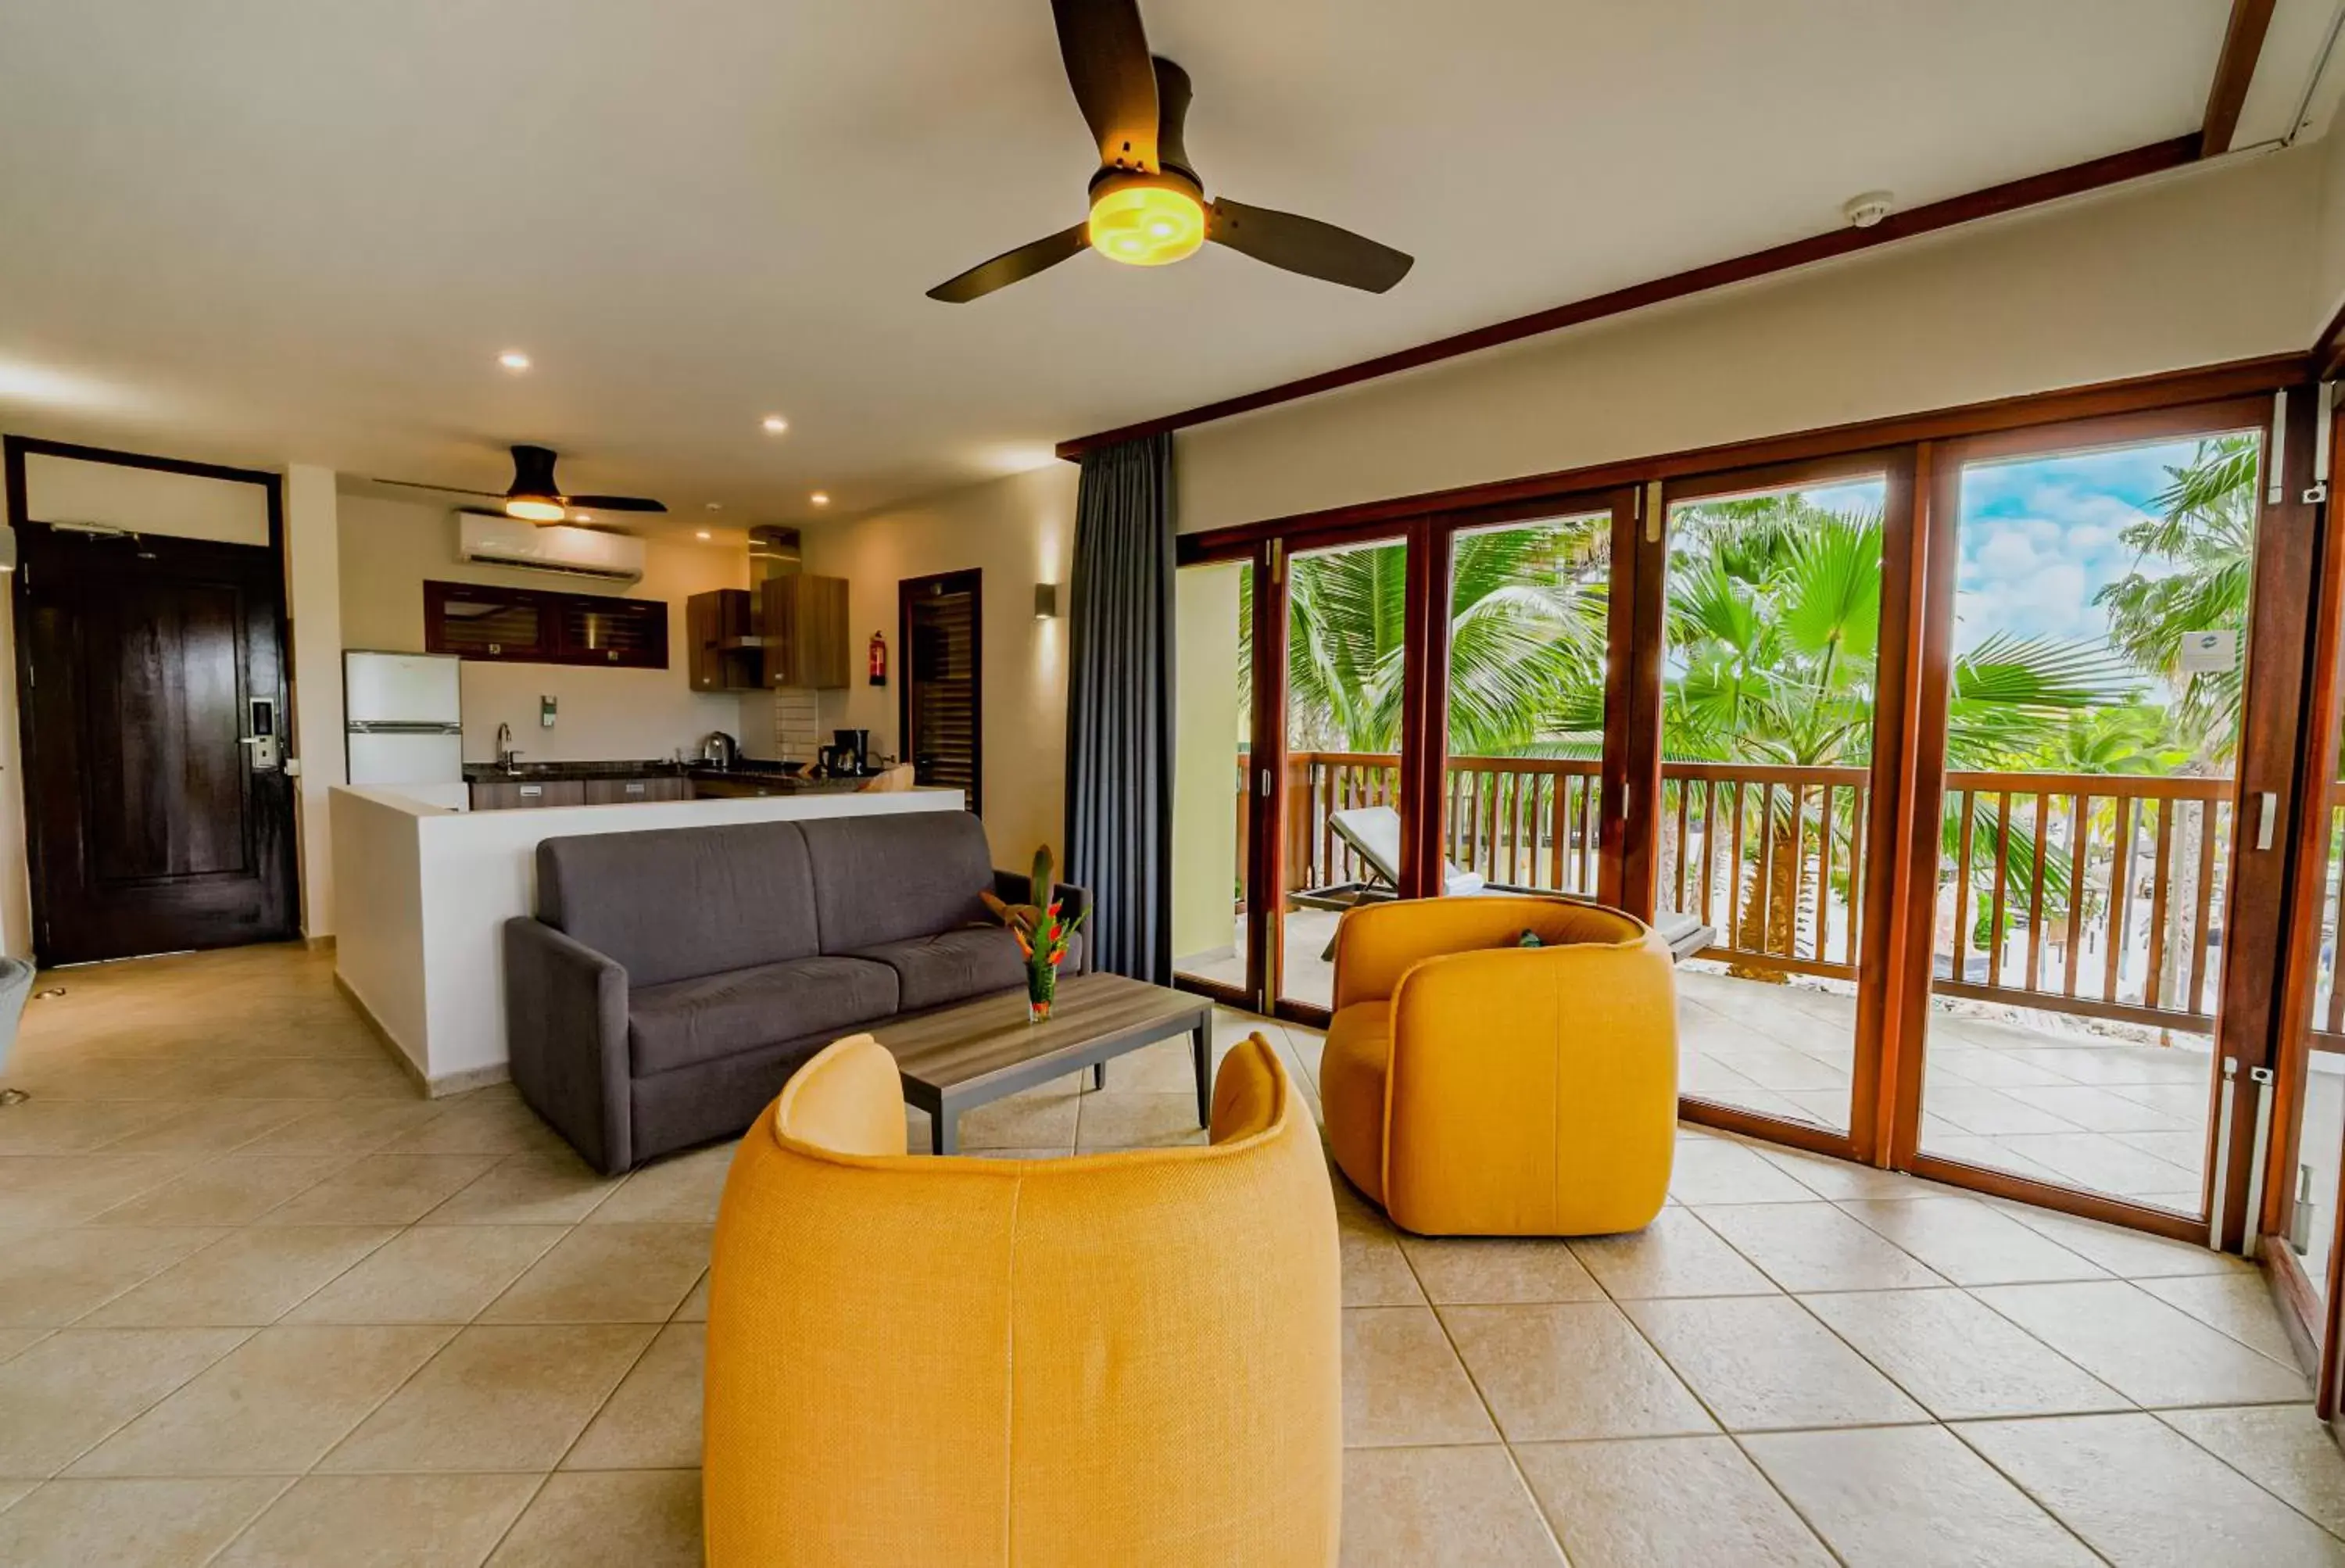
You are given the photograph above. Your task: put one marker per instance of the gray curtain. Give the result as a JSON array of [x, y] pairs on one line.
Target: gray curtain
[[1119, 707]]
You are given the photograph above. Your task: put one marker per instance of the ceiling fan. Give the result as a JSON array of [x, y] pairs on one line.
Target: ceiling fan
[[1148, 206], [534, 496]]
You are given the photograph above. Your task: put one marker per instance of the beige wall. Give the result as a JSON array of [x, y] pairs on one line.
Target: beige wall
[[388, 548], [2206, 265], [313, 608], [1018, 532], [1206, 721]]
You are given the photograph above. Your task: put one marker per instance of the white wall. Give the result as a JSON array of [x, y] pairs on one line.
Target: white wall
[[1019, 530], [313, 607], [388, 548], [2206, 265]]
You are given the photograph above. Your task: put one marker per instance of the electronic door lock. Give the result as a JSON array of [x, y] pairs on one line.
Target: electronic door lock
[[268, 749]]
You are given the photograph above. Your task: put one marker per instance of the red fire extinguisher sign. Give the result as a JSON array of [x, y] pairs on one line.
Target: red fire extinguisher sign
[[878, 660]]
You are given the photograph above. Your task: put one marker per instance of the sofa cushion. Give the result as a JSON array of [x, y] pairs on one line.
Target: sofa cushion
[[878, 880], [686, 1021], [681, 901], [952, 966]]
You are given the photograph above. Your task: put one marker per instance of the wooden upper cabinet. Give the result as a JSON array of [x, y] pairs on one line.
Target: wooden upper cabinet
[[805, 623], [720, 628], [528, 625]]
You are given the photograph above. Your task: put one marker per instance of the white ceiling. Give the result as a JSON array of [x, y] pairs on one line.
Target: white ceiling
[[271, 230]]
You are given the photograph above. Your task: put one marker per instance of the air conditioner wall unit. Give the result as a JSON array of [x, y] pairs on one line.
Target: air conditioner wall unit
[[498, 541]]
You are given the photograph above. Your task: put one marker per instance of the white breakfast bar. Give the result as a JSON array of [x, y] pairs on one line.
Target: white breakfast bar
[[421, 893]]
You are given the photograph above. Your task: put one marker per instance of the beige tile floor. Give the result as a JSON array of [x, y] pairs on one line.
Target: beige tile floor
[[260, 1304]]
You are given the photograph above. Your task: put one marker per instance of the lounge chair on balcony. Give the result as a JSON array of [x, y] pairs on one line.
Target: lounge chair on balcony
[[1374, 834]]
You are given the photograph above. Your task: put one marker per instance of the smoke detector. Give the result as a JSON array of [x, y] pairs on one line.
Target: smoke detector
[[1865, 211]]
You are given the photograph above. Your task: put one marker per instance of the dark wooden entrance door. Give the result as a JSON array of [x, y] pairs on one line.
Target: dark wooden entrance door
[[151, 681]]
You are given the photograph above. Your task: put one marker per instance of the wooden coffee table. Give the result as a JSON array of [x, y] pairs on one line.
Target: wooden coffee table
[[962, 1056]]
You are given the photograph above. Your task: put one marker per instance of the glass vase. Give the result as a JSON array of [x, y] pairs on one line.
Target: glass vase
[[1041, 990]]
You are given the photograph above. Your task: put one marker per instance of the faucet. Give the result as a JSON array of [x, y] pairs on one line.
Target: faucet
[[506, 755]]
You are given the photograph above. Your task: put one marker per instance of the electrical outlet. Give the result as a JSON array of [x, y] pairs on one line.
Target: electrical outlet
[[545, 713]]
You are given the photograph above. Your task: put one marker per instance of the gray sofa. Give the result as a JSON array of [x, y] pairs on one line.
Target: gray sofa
[[673, 981]]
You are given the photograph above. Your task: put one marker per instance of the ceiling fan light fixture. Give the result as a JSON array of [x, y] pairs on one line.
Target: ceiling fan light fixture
[[535, 509], [1146, 221]]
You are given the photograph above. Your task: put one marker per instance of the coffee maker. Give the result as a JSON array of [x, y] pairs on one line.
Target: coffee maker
[[846, 756]]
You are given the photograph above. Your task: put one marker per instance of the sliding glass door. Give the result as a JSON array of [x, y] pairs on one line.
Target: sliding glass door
[[1522, 801], [1344, 619], [1771, 669]]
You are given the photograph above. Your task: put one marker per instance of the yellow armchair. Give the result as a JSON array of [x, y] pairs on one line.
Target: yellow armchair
[[1118, 1357], [1476, 1087]]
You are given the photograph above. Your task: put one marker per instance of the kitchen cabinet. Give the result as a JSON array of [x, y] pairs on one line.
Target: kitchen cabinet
[[636, 791], [528, 625], [522, 794], [724, 651], [804, 618]]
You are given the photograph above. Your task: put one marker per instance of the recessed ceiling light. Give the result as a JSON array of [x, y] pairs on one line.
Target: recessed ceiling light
[[819, 498], [774, 424], [514, 360], [702, 534], [717, 506]]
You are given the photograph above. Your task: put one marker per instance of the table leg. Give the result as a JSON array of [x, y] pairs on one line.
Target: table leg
[[1098, 1074], [1200, 1047], [944, 1132]]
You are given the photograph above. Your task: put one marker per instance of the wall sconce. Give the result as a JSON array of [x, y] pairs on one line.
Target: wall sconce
[[1045, 601]]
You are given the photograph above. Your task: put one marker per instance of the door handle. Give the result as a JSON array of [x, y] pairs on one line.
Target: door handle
[[2267, 812]]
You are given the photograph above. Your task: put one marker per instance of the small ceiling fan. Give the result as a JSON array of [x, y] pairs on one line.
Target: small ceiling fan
[[1148, 206], [534, 496]]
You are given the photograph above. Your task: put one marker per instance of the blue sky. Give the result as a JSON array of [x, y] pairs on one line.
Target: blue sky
[[2042, 535]]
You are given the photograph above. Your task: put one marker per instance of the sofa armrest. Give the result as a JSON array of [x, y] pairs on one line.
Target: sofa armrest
[[566, 1032]]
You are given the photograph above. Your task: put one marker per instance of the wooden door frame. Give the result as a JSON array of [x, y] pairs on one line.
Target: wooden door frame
[[973, 579], [14, 450], [2311, 1315], [2267, 758]]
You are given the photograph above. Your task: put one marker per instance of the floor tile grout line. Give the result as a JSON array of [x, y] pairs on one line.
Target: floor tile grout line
[[1956, 1428], [331, 1445], [1489, 1412], [2159, 1416]]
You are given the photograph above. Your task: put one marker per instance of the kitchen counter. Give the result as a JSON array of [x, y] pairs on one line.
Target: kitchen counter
[[421, 894], [775, 778]]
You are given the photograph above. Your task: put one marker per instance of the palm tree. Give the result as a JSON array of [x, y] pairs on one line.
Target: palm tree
[[1773, 616], [2203, 538], [1527, 639]]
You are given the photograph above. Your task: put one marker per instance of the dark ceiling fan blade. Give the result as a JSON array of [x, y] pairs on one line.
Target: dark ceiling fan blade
[[614, 502], [1012, 266], [443, 489], [1173, 96], [1308, 246], [1105, 47]]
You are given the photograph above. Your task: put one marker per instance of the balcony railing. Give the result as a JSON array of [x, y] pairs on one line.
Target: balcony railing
[[2098, 895]]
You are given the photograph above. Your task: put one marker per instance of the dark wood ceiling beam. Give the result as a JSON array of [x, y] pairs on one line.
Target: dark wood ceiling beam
[[2235, 70], [2010, 196]]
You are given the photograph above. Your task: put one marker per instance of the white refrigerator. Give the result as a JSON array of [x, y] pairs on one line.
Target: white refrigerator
[[404, 715]]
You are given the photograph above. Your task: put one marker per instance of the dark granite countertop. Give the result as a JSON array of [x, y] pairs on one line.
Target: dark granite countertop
[[656, 768], [747, 769]]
